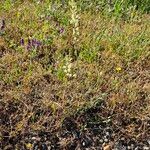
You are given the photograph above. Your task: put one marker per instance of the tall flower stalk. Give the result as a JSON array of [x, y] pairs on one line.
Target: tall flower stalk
[[75, 27]]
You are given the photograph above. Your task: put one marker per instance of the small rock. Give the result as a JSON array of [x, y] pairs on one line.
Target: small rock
[[83, 143], [146, 148], [107, 133], [106, 140], [148, 141], [129, 147], [86, 142], [101, 141], [35, 138]]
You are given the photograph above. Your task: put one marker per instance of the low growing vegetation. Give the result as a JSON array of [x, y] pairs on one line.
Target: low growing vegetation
[[75, 74]]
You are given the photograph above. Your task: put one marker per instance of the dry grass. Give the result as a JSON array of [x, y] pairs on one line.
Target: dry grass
[[112, 66]]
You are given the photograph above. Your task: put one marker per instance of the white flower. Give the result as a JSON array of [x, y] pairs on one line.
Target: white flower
[[64, 67], [74, 75], [69, 74], [66, 71]]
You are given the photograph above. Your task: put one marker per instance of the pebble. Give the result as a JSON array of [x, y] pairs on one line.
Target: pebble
[[148, 141], [106, 140], [146, 148], [132, 146], [107, 133], [101, 141], [86, 142], [36, 138], [83, 143]]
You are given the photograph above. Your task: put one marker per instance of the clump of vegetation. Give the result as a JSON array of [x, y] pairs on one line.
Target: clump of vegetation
[[74, 70]]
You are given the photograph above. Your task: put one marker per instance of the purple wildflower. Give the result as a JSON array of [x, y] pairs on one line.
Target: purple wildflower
[[61, 30], [29, 42], [3, 24], [38, 43], [28, 47], [22, 42], [33, 42]]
